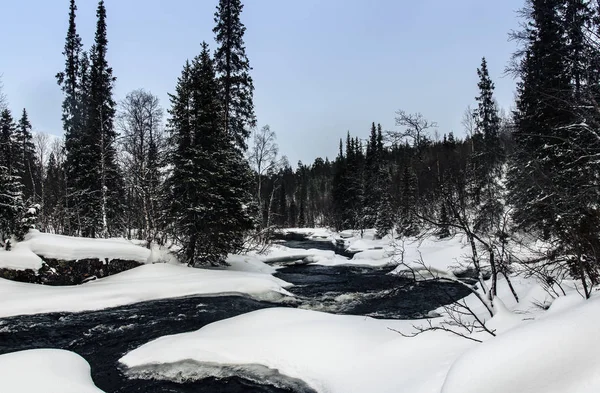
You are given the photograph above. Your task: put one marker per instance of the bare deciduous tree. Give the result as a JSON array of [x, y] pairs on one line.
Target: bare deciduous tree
[[263, 159], [416, 129], [140, 121]]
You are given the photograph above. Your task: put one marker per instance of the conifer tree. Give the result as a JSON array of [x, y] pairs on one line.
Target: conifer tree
[[210, 181], [236, 88], [25, 160], [552, 178], [541, 110], [11, 193], [104, 210], [72, 117], [487, 158]]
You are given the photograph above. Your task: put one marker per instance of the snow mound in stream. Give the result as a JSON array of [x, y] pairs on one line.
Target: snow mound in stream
[[45, 370], [147, 282], [330, 353]]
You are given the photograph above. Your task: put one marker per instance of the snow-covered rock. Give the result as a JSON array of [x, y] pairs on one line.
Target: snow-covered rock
[[45, 370], [27, 253], [147, 282]]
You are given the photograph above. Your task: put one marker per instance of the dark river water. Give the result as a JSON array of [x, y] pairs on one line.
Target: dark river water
[[102, 337]]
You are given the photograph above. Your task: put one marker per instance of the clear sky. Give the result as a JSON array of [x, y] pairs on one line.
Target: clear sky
[[320, 67]]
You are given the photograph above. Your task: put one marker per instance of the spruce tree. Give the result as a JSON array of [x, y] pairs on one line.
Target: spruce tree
[[104, 211], [72, 117], [371, 183], [541, 111], [552, 179], [233, 71], [11, 193], [209, 184], [487, 158], [25, 159]]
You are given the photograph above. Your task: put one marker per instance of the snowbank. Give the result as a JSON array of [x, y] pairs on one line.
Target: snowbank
[[148, 282], [20, 257], [558, 353], [45, 370], [538, 351], [315, 234], [70, 248], [280, 254], [438, 255], [26, 254], [330, 353]]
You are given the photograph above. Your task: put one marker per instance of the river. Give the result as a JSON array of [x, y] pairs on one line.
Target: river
[[102, 337]]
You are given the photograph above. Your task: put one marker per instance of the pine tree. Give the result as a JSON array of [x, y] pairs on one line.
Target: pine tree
[[487, 158], [371, 184], [552, 179], [407, 220], [70, 82], [339, 186], [233, 70], [11, 193], [209, 186], [541, 111], [25, 160], [104, 211]]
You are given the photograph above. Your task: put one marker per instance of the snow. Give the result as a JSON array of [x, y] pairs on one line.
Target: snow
[[330, 353], [147, 282], [438, 255], [25, 254], [315, 234], [20, 257], [537, 352], [557, 353], [45, 370], [74, 248]]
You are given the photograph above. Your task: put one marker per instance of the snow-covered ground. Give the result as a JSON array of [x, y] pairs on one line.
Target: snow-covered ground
[[535, 351], [443, 255], [147, 282], [45, 370], [25, 254]]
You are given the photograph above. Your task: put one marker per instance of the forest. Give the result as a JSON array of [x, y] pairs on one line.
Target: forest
[[203, 175]]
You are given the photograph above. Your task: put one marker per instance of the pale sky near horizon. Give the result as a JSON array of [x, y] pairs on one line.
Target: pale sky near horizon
[[320, 67]]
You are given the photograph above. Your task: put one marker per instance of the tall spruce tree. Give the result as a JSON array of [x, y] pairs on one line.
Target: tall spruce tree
[[542, 92], [72, 117], [553, 181], [210, 180], [11, 189], [487, 158], [25, 159], [104, 210], [233, 71]]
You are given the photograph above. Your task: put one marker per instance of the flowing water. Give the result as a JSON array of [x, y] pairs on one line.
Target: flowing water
[[102, 337]]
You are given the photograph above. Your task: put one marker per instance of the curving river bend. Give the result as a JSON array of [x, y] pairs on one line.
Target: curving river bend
[[102, 337]]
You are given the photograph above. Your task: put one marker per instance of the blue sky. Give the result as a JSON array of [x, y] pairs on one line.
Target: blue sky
[[320, 67]]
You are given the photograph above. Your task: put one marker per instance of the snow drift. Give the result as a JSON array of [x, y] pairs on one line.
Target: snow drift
[[45, 370]]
